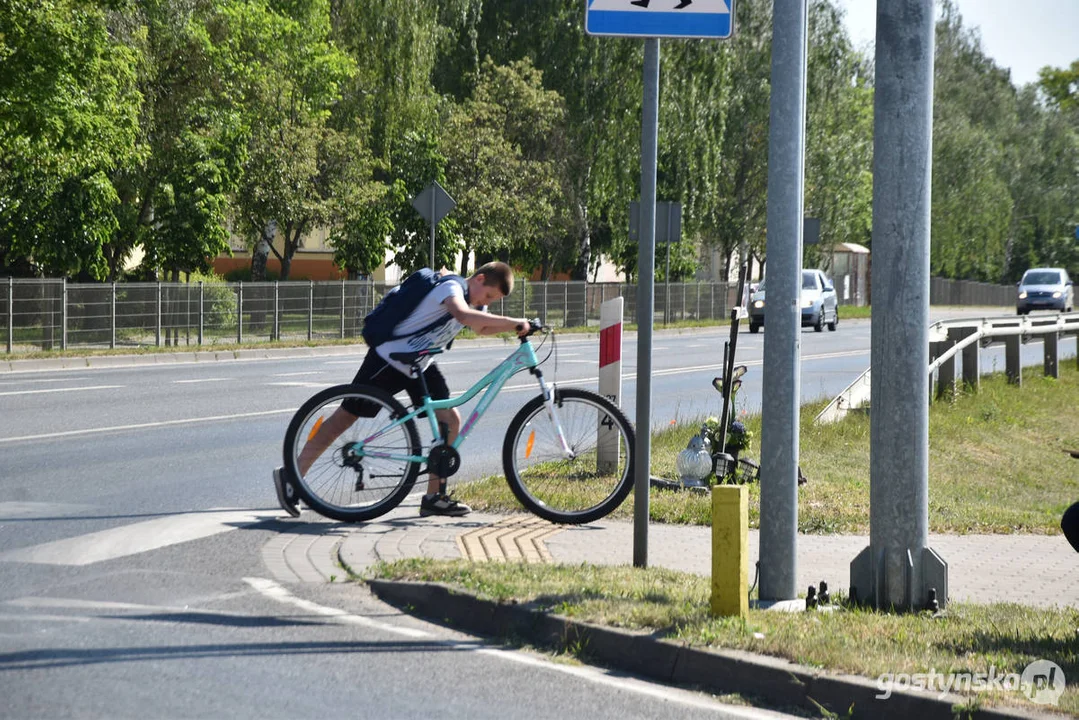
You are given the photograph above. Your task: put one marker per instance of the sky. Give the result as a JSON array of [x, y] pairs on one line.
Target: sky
[[1023, 35]]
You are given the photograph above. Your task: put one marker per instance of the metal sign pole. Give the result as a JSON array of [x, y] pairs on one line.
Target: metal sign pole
[[646, 264], [434, 222], [782, 341], [667, 272]]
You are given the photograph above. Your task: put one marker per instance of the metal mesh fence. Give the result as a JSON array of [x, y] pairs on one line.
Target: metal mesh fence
[[53, 314]]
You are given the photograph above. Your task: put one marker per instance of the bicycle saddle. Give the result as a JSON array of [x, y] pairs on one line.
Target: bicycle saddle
[[409, 358]]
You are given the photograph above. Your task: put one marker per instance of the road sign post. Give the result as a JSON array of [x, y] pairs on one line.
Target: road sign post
[[433, 203], [651, 20]]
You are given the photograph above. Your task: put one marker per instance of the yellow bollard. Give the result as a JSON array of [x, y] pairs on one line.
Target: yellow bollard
[[730, 550]]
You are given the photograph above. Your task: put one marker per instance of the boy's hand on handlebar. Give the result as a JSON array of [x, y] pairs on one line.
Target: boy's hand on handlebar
[[531, 327]]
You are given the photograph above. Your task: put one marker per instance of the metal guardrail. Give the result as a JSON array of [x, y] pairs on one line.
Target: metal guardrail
[[949, 338]]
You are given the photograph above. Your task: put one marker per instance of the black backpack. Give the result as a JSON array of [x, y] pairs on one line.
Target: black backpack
[[398, 303]]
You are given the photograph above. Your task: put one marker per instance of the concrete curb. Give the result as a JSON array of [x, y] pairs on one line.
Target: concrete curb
[[774, 680]]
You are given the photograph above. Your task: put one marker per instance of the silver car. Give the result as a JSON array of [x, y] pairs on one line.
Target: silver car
[[1045, 289], [819, 304]]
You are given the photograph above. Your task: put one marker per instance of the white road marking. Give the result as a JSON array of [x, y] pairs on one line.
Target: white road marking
[[299, 384], [199, 380], [41, 380], [507, 388], [296, 374], [54, 603], [19, 618], [694, 368], [63, 390], [136, 538], [273, 590], [14, 509], [77, 604], [144, 426]]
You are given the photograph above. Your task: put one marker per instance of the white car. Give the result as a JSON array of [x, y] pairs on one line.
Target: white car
[[820, 306], [1045, 289]]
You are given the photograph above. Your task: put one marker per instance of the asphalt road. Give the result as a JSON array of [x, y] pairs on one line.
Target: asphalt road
[[136, 502]]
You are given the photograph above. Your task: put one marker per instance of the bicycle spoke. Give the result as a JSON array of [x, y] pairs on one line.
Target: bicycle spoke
[[348, 479], [590, 481]]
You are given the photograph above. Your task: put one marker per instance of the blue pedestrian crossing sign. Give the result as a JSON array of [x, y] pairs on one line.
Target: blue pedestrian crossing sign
[[660, 18]]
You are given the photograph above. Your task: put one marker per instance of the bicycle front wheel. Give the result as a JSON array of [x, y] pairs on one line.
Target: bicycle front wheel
[[347, 455], [581, 481]]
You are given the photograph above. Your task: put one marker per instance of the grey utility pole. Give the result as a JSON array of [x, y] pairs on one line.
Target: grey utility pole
[[898, 568], [783, 311], [646, 295]]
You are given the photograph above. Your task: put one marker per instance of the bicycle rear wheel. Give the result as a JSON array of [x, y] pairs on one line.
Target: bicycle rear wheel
[[352, 478], [583, 485]]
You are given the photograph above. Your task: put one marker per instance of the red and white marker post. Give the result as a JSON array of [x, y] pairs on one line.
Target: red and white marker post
[[610, 379]]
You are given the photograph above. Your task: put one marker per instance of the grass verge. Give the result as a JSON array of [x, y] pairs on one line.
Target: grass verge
[[996, 464], [967, 638]]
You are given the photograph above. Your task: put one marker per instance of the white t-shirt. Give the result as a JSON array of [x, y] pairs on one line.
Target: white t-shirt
[[429, 310]]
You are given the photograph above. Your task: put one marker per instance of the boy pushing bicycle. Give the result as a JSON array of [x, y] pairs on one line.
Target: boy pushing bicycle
[[432, 309]]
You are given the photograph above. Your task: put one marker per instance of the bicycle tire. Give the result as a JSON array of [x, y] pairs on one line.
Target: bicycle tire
[[575, 490], [341, 484]]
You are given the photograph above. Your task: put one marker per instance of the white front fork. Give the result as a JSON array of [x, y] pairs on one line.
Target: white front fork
[[552, 412]]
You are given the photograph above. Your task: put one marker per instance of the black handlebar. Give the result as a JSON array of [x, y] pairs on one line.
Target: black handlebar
[[534, 326]]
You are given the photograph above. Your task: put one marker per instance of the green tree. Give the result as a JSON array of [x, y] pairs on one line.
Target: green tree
[[288, 75], [358, 210], [415, 162], [68, 121], [393, 45], [738, 220], [599, 80], [1061, 85], [175, 203], [503, 149], [839, 136], [1045, 190], [974, 115], [695, 90]]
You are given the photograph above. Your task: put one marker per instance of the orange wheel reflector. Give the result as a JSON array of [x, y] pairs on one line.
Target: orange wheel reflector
[[531, 441], [318, 424]]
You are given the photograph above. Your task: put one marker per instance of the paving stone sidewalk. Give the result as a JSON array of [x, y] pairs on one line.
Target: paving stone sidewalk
[[1037, 570]]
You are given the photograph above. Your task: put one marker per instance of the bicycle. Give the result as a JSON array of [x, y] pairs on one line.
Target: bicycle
[[568, 454]]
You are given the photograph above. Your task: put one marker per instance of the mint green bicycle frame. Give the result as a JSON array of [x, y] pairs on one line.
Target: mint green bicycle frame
[[523, 358]]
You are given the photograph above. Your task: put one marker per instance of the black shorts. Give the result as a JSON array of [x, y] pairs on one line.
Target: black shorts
[[377, 372]]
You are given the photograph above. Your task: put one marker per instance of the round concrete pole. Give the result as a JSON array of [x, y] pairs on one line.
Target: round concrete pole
[[902, 171]]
